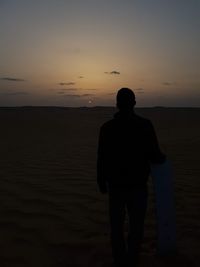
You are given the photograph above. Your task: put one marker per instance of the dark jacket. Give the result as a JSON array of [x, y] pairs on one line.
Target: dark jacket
[[127, 146]]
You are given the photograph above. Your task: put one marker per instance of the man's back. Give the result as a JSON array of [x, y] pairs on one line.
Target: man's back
[[127, 144]]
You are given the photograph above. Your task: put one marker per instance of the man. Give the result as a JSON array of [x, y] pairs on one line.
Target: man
[[127, 146]]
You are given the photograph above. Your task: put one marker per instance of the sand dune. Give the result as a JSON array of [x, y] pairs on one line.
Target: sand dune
[[51, 212]]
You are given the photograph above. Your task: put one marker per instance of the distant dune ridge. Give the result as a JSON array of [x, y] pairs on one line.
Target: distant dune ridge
[[51, 212]]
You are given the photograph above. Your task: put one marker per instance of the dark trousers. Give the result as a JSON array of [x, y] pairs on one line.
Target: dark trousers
[[134, 200]]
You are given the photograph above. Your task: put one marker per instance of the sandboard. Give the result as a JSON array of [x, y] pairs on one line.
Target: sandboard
[[163, 183]]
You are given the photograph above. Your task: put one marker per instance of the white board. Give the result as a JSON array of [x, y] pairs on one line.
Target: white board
[[163, 183]]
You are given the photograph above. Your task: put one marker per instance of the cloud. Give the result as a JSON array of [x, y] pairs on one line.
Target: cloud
[[86, 95], [139, 90], [71, 95], [65, 91], [17, 93], [12, 79], [114, 72], [77, 95], [67, 83], [91, 89], [169, 83], [111, 94], [70, 89]]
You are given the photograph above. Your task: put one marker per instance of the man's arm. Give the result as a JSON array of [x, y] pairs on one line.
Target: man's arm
[[101, 181]]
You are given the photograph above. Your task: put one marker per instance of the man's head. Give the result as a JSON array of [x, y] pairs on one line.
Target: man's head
[[125, 99]]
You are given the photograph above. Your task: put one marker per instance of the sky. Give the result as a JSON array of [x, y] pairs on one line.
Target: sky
[[80, 52]]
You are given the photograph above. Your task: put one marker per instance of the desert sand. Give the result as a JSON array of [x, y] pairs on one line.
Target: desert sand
[[51, 213]]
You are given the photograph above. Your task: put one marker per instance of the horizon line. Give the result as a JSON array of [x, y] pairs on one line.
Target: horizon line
[[90, 107]]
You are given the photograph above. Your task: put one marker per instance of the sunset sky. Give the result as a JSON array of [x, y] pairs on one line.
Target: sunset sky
[[79, 52]]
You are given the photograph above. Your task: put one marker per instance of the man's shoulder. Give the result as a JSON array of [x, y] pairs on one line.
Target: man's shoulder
[[142, 120], [136, 119]]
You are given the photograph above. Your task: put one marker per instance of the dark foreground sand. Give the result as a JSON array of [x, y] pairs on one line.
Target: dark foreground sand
[[51, 214]]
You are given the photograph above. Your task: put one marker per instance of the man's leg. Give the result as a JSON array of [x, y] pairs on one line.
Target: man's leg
[[117, 217], [136, 205]]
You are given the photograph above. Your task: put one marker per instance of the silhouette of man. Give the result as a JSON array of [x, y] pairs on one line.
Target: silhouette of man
[[127, 146]]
